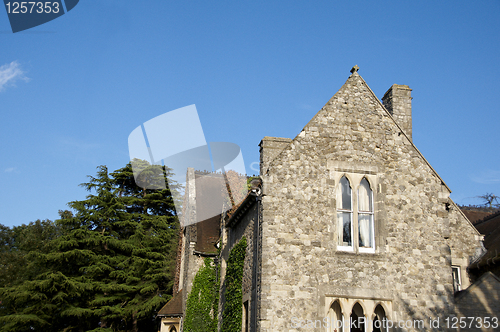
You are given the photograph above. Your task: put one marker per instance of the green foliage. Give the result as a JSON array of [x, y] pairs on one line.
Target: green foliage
[[203, 301], [108, 269], [250, 179], [233, 311], [18, 244]]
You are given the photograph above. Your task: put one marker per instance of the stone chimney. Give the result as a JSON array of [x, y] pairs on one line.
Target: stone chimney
[[270, 148], [397, 100]]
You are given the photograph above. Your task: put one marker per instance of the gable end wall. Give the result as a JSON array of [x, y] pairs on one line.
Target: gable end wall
[[301, 266]]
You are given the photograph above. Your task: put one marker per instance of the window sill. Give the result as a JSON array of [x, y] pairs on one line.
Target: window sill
[[361, 255], [346, 249], [367, 250]]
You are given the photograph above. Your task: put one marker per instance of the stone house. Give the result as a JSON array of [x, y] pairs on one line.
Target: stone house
[[351, 224]]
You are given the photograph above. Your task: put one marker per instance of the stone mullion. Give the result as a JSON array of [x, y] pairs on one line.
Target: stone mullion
[[378, 217], [355, 213]]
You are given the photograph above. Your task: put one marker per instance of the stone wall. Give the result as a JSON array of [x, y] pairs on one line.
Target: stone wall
[[270, 148], [464, 247], [302, 268], [244, 223], [397, 100]]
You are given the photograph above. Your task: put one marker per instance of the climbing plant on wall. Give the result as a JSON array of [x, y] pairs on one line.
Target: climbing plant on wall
[[203, 300], [233, 312]]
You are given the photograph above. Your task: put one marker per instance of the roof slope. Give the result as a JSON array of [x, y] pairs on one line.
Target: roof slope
[[173, 307], [475, 216], [490, 227]]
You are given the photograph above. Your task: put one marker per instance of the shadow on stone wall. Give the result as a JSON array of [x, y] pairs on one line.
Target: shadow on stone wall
[[475, 309]]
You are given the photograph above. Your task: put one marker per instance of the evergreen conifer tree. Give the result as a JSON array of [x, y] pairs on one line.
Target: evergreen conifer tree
[[111, 269]]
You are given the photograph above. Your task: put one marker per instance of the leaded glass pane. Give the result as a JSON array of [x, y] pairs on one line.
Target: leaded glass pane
[[345, 229], [344, 195], [365, 203], [365, 225]]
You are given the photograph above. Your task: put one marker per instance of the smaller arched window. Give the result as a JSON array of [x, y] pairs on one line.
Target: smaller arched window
[[380, 323], [358, 319], [365, 217], [336, 318], [344, 215]]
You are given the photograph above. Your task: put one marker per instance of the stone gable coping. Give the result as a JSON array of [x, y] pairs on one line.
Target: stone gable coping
[[402, 131], [468, 221], [247, 203], [352, 76]]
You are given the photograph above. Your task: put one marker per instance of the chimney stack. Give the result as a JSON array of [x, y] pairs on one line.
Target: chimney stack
[[270, 148], [397, 100]]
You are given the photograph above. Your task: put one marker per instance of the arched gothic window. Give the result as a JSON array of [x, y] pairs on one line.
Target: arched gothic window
[[355, 226]]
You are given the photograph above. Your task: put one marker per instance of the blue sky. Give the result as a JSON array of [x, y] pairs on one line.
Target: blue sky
[[73, 89]]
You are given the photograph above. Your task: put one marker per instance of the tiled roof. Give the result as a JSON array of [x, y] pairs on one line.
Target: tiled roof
[[475, 216], [490, 228], [173, 307]]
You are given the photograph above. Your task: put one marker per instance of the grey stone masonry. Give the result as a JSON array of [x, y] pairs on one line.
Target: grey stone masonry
[[418, 232], [270, 148], [397, 100]]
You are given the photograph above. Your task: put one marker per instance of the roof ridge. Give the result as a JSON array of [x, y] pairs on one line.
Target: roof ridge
[[174, 306], [488, 217]]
